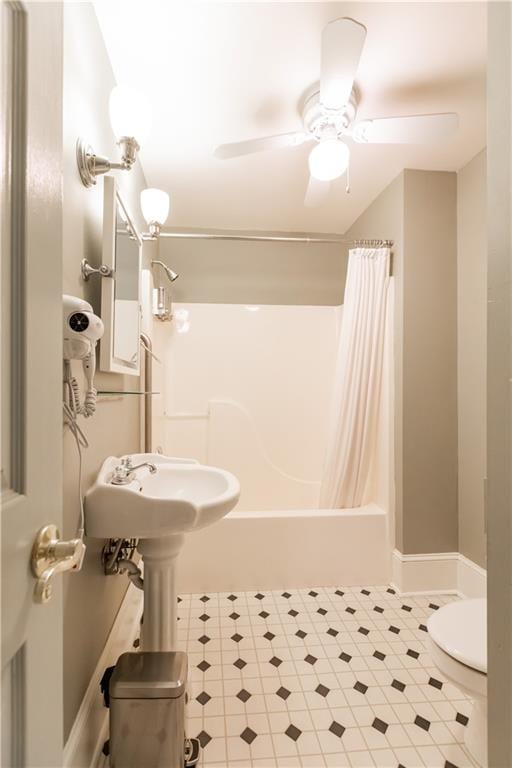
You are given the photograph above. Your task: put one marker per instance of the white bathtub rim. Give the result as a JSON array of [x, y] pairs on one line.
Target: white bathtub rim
[[367, 509]]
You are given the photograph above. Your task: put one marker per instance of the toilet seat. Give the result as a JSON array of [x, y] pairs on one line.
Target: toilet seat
[[457, 645], [459, 629]]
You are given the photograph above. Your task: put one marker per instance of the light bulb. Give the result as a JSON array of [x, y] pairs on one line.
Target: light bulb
[[155, 205], [129, 115], [329, 159]]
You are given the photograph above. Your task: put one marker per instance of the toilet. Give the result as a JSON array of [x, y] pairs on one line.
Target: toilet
[[457, 645]]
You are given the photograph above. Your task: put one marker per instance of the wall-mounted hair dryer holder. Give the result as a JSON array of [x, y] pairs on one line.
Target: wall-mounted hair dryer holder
[[86, 270]]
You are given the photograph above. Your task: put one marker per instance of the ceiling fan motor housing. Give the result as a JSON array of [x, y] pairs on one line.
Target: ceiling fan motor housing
[[322, 123]]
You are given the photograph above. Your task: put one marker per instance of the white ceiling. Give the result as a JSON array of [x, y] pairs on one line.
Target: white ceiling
[[217, 72]]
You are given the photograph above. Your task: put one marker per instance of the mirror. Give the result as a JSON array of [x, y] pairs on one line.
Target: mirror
[[120, 294]]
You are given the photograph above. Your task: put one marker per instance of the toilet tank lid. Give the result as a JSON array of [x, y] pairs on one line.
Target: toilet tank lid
[[460, 630]]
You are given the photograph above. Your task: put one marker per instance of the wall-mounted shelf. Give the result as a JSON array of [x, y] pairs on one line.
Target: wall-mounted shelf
[[125, 392]]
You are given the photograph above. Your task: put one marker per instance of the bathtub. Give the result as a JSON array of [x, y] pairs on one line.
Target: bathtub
[[292, 548]]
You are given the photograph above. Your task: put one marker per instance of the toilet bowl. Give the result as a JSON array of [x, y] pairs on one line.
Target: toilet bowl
[[457, 644]]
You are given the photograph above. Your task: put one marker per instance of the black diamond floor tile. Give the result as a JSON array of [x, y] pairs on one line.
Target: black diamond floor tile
[[293, 732], [236, 637], [204, 617], [322, 690], [232, 598], [462, 719], [204, 739], [422, 722], [203, 698], [339, 593], [433, 606], [322, 611], [269, 636], [406, 608], [378, 609], [312, 593], [337, 729], [379, 655], [333, 632], [204, 598], [423, 628], [243, 695], [413, 654], [350, 610], [363, 631], [391, 591], [310, 659], [300, 633], [264, 614], [293, 612], [240, 663], [380, 725], [275, 661], [435, 683], [394, 629], [204, 639], [286, 595], [361, 687], [248, 735], [345, 657], [259, 596], [234, 616], [398, 685], [283, 693], [203, 666], [365, 592]]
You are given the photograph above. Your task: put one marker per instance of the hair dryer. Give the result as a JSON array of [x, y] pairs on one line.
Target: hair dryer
[[81, 331]]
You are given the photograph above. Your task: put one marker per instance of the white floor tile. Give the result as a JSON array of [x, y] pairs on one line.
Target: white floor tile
[[348, 698]]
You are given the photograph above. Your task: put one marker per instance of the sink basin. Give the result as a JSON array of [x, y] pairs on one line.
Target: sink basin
[[181, 496]]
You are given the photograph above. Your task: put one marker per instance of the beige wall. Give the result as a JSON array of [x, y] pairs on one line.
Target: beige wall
[[429, 402], [418, 211], [234, 272], [91, 600], [472, 326]]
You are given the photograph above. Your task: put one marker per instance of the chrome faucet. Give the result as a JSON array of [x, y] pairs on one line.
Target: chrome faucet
[[124, 473]]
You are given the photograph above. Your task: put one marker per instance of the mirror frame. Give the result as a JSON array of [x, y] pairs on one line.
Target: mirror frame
[[111, 200]]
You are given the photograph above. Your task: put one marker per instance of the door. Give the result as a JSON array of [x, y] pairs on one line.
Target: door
[[31, 375]]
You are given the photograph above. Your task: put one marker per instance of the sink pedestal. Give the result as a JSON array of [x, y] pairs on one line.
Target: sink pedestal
[[160, 626]]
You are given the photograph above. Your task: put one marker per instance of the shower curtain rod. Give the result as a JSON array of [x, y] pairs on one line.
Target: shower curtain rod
[[276, 238]]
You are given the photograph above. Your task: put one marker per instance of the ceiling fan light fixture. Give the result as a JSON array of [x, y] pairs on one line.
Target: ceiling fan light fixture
[[329, 159]]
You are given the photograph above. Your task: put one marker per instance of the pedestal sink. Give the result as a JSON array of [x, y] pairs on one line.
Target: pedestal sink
[[158, 508]]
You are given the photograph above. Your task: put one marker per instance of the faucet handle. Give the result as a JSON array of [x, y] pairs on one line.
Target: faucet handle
[[121, 474], [127, 462]]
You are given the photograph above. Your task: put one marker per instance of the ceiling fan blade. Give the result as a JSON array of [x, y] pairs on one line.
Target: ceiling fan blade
[[236, 149], [316, 193], [413, 129], [342, 45]]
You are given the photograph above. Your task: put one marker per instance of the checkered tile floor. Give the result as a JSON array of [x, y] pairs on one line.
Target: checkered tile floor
[[318, 677]]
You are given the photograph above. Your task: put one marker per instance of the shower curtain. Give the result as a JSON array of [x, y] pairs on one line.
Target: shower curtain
[[357, 382]]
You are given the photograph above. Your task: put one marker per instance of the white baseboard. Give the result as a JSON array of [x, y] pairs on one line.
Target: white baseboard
[[472, 578], [85, 742], [438, 573]]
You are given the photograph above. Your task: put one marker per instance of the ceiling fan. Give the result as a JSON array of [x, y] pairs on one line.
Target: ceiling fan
[[329, 116]]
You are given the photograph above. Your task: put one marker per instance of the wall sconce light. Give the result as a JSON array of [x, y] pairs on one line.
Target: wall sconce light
[[155, 205], [130, 120]]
